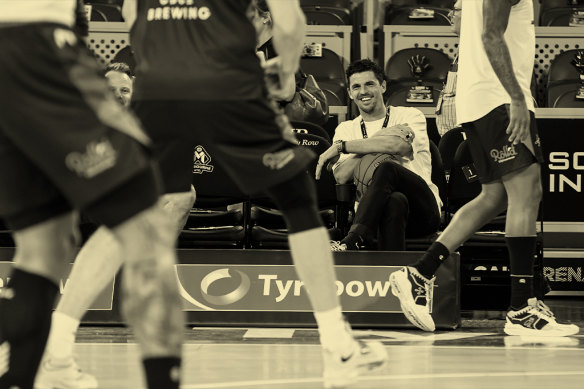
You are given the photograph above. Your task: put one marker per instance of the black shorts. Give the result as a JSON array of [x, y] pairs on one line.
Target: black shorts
[[493, 155], [63, 142], [244, 137]]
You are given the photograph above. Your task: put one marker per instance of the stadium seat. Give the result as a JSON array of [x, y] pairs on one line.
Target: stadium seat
[[109, 12], [327, 16], [126, 55], [463, 184], [212, 223], [327, 3], [401, 16], [447, 146], [558, 16], [328, 71], [568, 98], [562, 76], [267, 227], [397, 68]]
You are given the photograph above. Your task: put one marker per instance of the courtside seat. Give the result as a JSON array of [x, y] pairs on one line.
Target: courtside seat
[[220, 215], [126, 55], [398, 71], [267, 228], [301, 127]]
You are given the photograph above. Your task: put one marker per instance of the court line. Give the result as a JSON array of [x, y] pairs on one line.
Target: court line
[[426, 346], [394, 377]]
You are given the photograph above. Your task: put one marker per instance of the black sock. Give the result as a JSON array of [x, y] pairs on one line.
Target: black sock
[[162, 373], [431, 260], [521, 257], [26, 304]]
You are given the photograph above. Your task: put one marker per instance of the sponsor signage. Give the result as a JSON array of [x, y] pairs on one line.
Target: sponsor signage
[[562, 171], [277, 288], [565, 274], [103, 302]]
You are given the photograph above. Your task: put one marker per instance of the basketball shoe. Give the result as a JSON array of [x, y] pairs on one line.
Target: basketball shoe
[[63, 375], [536, 319], [415, 296], [340, 372]]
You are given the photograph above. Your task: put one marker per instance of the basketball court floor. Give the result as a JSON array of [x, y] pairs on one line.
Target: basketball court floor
[[478, 355]]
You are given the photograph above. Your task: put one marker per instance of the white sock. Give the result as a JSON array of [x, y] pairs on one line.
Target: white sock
[[62, 336], [333, 332]]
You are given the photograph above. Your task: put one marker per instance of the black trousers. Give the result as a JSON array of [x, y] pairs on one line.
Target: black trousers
[[397, 204]]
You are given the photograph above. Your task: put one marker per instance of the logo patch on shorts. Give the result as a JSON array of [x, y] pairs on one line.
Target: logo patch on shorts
[[202, 161], [279, 159], [507, 153], [98, 157]]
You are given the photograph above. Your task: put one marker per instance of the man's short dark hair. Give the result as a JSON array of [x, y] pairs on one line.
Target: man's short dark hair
[[365, 65], [119, 67]]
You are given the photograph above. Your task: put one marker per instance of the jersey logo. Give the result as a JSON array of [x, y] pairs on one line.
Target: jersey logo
[[279, 159], [178, 10], [202, 160], [507, 153], [98, 157]]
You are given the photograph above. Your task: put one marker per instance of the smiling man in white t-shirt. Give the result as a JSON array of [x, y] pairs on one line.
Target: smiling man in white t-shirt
[[401, 198]]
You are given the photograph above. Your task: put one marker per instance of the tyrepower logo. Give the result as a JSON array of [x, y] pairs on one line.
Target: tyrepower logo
[[277, 288]]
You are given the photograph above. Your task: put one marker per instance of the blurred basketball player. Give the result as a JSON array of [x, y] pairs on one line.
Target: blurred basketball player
[[213, 93], [67, 145], [495, 107]]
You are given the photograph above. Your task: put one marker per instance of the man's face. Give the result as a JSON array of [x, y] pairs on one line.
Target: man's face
[[455, 17], [366, 91], [121, 85]]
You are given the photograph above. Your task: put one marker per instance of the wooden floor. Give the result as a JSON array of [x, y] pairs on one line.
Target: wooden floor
[[476, 356]]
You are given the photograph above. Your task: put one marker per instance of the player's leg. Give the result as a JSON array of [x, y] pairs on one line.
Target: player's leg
[[413, 284], [528, 315], [42, 253], [309, 244], [95, 266]]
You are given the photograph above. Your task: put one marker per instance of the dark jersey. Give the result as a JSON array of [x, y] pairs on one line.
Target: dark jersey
[[195, 49]]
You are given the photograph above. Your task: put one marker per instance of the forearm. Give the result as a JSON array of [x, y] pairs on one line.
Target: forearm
[[381, 144], [500, 59], [344, 172], [495, 20]]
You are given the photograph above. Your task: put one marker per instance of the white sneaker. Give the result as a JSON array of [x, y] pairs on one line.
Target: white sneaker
[[64, 375], [536, 319], [415, 294], [338, 246], [340, 372]]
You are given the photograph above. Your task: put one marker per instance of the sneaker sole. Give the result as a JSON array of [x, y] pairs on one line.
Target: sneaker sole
[[339, 382], [406, 302], [515, 329]]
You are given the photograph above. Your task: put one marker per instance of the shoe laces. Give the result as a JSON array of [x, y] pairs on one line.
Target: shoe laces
[[428, 285], [338, 246], [544, 309]]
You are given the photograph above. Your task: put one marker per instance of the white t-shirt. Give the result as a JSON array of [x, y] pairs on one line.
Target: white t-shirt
[[31, 11], [479, 90], [415, 119]]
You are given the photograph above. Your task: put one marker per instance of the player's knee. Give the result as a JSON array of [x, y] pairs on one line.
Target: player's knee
[[296, 199]]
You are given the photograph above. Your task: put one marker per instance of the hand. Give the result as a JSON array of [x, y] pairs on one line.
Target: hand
[[330, 153], [519, 120], [281, 86]]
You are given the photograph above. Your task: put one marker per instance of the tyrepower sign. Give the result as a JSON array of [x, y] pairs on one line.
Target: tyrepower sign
[[103, 302], [278, 288]]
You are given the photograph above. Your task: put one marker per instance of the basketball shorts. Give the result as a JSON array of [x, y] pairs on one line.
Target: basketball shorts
[[251, 140], [64, 140], [493, 155]]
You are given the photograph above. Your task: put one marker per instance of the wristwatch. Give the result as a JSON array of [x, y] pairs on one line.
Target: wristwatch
[[340, 145]]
